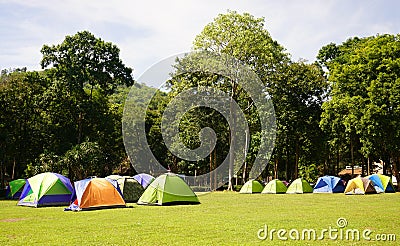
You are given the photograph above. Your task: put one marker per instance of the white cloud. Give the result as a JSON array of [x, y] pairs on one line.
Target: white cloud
[[148, 31]]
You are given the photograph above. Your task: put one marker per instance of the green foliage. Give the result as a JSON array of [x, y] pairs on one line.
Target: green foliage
[[298, 95], [67, 118], [84, 160], [21, 124], [83, 59], [45, 114], [309, 172], [363, 110], [46, 162], [132, 191], [245, 38]]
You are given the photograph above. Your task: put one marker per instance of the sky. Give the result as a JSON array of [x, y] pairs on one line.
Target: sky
[[149, 31]]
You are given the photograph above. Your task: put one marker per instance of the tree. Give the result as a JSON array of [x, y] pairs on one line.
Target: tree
[[84, 63], [244, 38], [85, 71], [84, 160]]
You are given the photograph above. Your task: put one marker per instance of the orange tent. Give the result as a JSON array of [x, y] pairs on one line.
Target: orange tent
[[95, 193]]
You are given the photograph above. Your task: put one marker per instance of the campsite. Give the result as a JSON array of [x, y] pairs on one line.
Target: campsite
[[200, 122], [223, 218], [169, 212]]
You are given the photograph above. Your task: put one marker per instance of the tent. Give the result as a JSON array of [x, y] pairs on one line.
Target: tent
[[359, 186], [274, 187], [329, 184], [96, 193], [46, 189], [299, 186], [130, 188], [251, 186], [381, 183], [14, 188], [144, 179], [168, 189]]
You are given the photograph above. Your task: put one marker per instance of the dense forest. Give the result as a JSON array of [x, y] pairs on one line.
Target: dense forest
[[341, 110]]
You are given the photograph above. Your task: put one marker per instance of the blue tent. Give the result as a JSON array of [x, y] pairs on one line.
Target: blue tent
[[144, 179], [329, 184], [381, 183]]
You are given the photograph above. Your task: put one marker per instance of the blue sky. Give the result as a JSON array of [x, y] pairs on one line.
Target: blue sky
[[149, 31]]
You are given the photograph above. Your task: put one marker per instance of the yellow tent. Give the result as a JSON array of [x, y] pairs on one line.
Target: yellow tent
[[359, 186]]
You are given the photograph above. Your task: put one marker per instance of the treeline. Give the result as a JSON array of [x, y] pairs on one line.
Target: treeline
[[341, 110]]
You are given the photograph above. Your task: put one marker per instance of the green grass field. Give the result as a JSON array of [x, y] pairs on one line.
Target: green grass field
[[222, 218]]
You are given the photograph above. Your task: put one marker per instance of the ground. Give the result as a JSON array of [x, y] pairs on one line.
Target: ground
[[222, 218]]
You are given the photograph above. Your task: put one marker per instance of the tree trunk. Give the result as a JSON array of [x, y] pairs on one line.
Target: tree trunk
[[296, 164], [287, 166], [232, 137], [352, 152], [215, 169], [80, 118], [337, 162], [368, 166], [396, 173], [352, 157], [13, 170], [362, 166], [2, 166], [245, 162], [211, 168], [276, 168], [386, 163]]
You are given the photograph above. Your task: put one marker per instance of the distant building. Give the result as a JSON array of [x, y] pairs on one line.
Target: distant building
[[348, 171]]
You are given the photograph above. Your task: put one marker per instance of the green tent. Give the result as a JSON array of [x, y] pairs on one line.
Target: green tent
[[14, 188], [168, 189], [275, 187], [299, 186], [251, 186], [130, 188], [46, 189]]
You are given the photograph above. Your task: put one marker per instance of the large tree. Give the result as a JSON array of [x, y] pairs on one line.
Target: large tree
[[85, 71], [83, 64], [244, 38]]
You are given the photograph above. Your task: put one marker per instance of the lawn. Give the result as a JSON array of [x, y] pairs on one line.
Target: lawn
[[222, 218]]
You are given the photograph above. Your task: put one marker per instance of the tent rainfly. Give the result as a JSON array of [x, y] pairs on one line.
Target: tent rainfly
[[14, 188], [359, 186], [382, 183], [144, 179], [251, 186], [46, 189], [274, 187], [299, 186], [96, 193], [329, 184], [168, 189]]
